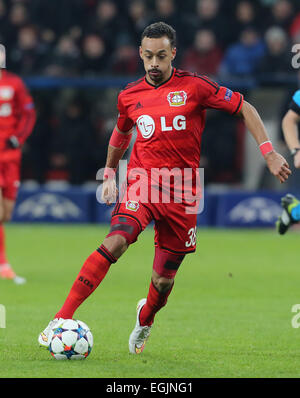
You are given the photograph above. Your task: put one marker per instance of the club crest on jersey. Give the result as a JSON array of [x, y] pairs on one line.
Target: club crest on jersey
[[6, 93], [228, 95], [132, 205], [177, 98]]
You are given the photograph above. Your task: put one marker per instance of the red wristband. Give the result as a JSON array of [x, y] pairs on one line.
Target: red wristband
[[120, 140], [266, 147], [109, 173]]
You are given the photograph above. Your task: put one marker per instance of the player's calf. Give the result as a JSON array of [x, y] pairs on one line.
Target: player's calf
[[165, 267]]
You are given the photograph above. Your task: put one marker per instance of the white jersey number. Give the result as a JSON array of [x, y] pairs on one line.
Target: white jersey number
[[192, 236]]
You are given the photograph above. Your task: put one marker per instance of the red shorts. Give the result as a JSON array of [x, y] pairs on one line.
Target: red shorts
[[10, 179], [175, 230]]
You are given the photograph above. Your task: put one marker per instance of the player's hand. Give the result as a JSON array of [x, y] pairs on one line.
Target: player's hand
[[109, 191], [278, 166], [13, 142], [297, 160]]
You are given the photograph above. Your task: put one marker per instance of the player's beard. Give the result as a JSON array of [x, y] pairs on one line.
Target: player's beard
[[155, 75]]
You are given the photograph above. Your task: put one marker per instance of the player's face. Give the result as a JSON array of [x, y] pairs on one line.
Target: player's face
[[157, 55]]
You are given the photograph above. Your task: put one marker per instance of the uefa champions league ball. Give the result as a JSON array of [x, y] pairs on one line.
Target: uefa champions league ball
[[70, 339]]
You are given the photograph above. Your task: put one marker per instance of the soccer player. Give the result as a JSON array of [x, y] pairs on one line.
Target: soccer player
[[17, 119], [291, 206], [167, 106]]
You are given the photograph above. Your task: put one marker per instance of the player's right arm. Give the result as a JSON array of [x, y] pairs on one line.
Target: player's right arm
[[118, 144], [290, 128]]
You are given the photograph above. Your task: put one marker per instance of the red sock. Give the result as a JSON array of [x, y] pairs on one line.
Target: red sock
[[91, 274], [155, 301], [3, 259]]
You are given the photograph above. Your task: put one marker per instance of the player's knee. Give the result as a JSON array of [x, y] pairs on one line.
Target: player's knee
[[2, 216], [116, 244], [7, 216], [161, 283]]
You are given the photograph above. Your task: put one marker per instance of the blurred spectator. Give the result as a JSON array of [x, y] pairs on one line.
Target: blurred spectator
[[56, 15], [208, 16], [102, 129], [106, 22], [73, 141], [94, 58], [241, 59], [138, 19], [281, 14], [204, 56], [36, 150], [17, 17], [294, 29], [221, 146], [125, 60], [27, 56], [64, 60], [245, 17], [166, 11], [277, 58], [4, 24]]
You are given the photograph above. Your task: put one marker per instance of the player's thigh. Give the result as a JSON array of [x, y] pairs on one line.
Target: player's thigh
[[176, 231], [128, 220]]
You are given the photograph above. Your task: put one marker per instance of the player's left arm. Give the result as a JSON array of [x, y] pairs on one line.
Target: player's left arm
[[276, 163], [222, 98], [27, 116]]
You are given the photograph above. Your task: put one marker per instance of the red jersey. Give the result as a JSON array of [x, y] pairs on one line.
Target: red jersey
[[170, 118], [17, 114]]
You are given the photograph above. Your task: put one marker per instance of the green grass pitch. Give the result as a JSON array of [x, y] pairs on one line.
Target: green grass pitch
[[229, 314]]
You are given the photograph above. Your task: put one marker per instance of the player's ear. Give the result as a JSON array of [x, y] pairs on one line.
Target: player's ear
[[141, 52], [174, 51]]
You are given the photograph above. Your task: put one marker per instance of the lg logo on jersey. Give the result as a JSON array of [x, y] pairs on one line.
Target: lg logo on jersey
[[146, 124], [179, 123], [5, 110]]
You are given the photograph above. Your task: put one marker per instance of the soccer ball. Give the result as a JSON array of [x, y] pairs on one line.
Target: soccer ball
[[70, 339]]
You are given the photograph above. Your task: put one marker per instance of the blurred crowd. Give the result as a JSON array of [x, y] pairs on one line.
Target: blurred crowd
[[96, 38]]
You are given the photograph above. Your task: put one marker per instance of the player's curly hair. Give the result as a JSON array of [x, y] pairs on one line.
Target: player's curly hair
[[160, 29]]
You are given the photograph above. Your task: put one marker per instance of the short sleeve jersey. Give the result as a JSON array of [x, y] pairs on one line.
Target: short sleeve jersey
[[170, 117]]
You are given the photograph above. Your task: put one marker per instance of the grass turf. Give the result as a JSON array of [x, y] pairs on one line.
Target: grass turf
[[229, 314]]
